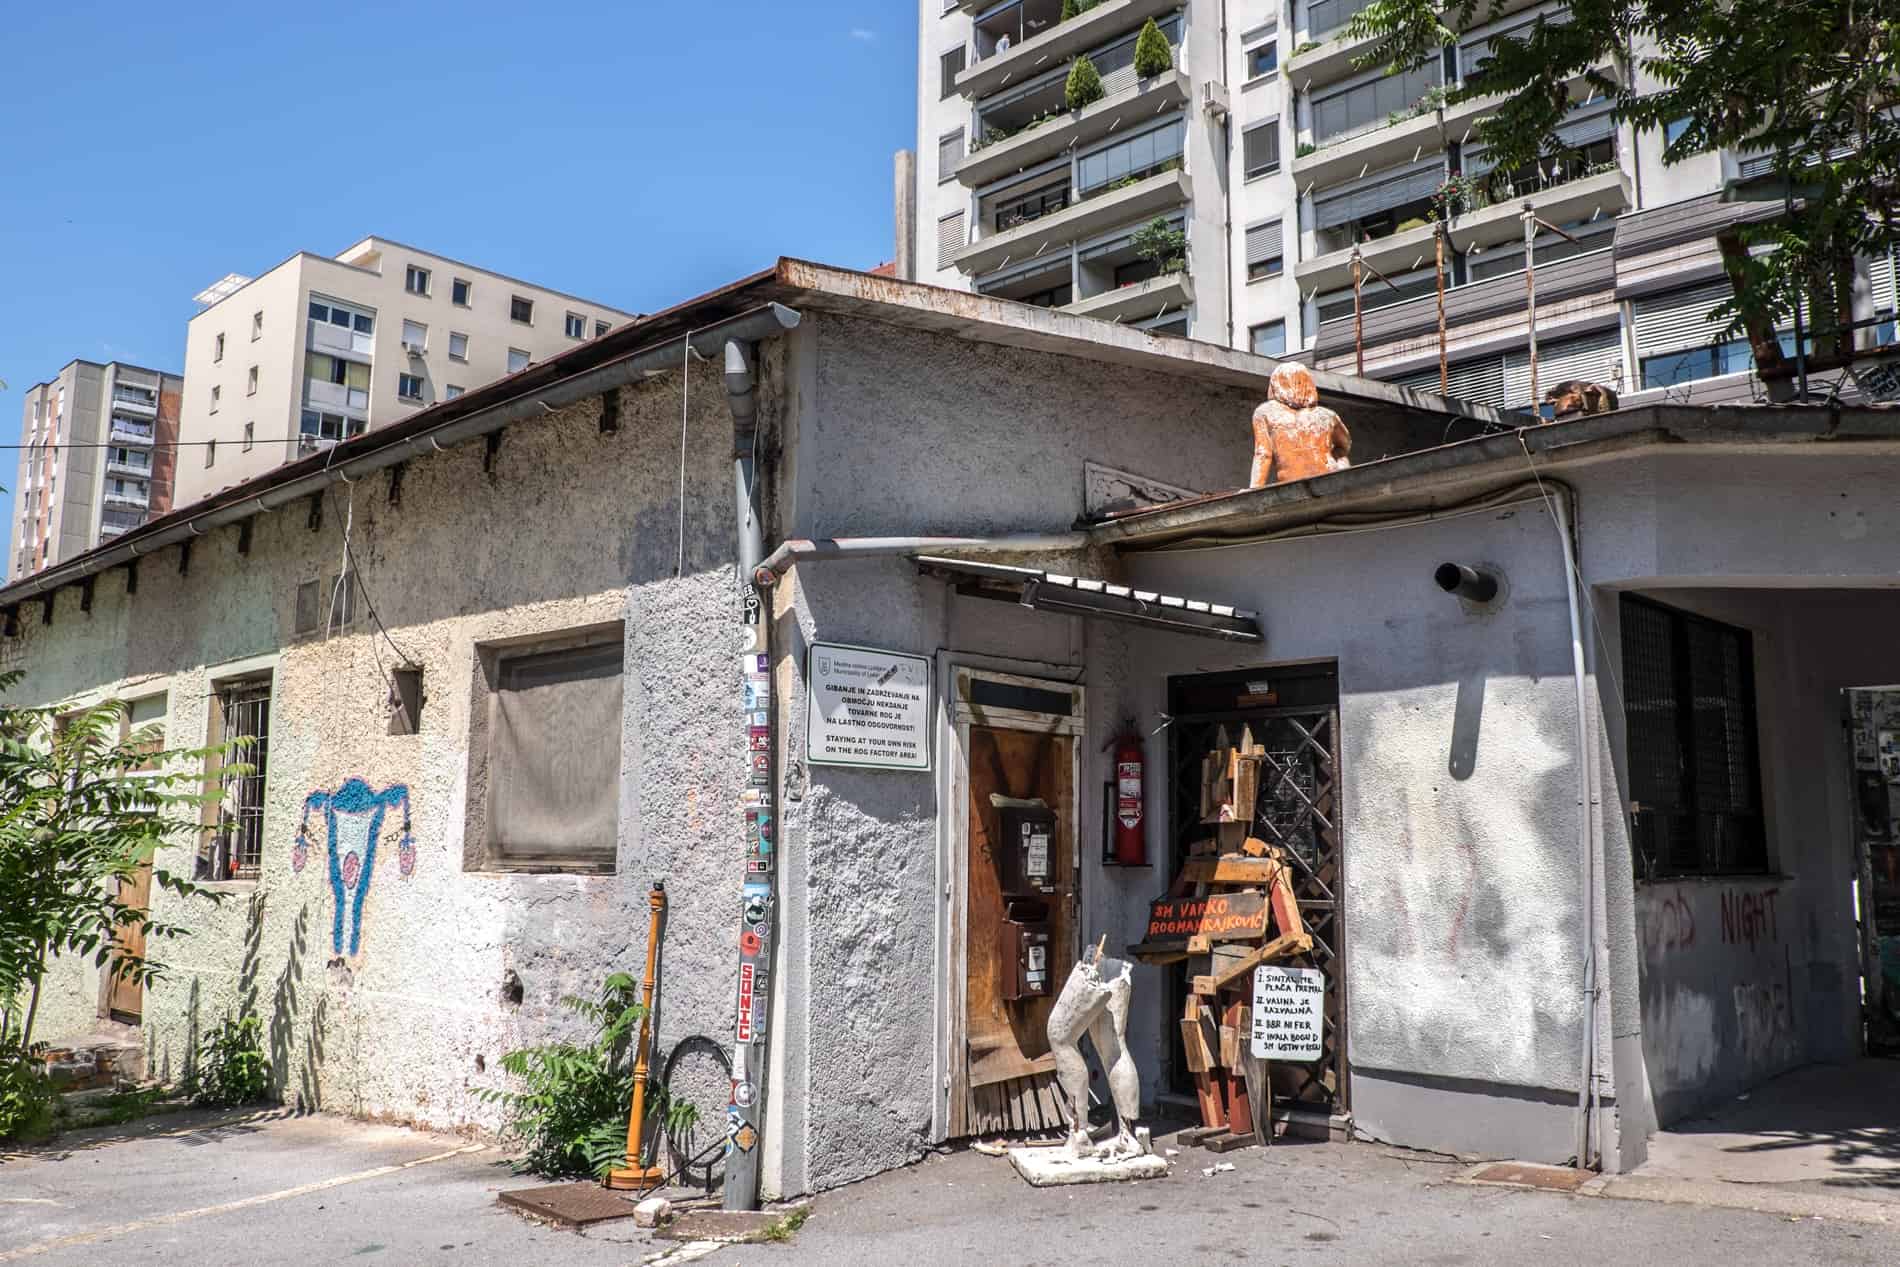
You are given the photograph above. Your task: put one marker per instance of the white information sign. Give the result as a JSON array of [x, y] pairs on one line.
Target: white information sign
[[867, 708], [1289, 1006]]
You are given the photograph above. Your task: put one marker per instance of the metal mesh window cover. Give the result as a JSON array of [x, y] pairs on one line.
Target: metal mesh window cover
[[1408, 184], [1264, 242], [244, 710], [1261, 148], [554, 755], [949, 154], [1298, 808], [1680, 319], [949, 238], [1694, 771], [953, 62]]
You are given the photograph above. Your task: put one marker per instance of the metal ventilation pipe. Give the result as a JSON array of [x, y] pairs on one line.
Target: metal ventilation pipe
[[1469, 583]]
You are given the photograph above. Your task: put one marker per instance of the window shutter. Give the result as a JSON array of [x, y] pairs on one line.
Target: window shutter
[[1264, 241], [1578, 133], [1480, 381], [1886, 284], [949, 238], [949, 154], [1679, 319], [1591, 357], [953, 62], [1261, 147], [1418, 180]]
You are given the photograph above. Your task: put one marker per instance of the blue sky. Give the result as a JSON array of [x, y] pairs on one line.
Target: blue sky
[[634, 153]]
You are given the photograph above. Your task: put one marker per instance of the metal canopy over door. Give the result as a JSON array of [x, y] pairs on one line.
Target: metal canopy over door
[[1018, 744], [1293, 711]]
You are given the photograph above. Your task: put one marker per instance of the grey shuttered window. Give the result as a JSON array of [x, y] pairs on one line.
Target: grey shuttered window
[[554, 755], [1403, 185], [1480, 381], [1266, 250], [953, 62], [1593, 357], [949, 154], [1260, 145], [949, 238], [1680, 319], [1360, 108]]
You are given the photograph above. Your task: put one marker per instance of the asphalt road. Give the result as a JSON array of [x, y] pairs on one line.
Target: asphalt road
[[279, 1190]]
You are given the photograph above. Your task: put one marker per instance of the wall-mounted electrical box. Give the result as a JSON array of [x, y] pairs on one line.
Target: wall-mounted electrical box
[[1026, 848]]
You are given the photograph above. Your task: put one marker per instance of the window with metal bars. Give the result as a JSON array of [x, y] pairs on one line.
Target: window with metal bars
[[235, 851], [1694, 770]]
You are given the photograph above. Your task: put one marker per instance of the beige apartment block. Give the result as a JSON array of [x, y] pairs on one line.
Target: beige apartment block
[[96, 460], [319, 349]]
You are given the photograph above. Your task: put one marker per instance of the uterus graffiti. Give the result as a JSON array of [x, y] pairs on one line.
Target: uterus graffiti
[[353, 817]]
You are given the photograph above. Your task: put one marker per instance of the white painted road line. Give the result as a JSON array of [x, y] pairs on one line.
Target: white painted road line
[[167, 1220]]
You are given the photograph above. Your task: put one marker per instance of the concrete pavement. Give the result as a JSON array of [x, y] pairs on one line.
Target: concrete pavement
[[274, 1189]]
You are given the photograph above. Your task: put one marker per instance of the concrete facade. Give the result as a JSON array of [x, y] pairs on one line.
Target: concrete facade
[[97, 458], [1292, 150], [251, 342]]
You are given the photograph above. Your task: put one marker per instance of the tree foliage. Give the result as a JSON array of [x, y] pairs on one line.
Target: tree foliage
[[1084, 86], [83, 806], [1810, 82], [1161, 244], [1153, 54]]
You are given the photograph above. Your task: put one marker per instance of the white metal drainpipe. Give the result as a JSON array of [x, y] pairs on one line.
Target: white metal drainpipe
[[1563, 508]]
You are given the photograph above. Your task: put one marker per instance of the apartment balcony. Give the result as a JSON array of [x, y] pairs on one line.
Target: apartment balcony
[[1058, 44], [113, 523], [1128, 205], [335, 340], [138, 501], [1144, 99], [1137, 300], [1330, 62], [335, 396], [135, 470], [137, 406], [1598, 194], [137, 434]]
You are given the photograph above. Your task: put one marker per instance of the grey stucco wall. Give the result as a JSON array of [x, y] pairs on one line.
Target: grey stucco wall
[[1462, 889], [574, 530]]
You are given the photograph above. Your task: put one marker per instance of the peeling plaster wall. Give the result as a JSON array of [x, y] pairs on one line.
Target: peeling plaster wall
[[576, 529]]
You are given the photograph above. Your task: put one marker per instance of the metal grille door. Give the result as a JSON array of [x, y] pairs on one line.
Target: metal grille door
[[1297, 809], [246, 710]]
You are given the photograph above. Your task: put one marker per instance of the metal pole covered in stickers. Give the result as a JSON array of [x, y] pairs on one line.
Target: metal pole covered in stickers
[[746, 1109]]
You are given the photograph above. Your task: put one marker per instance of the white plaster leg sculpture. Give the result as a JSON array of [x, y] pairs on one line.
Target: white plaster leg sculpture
[[1094, 1002]]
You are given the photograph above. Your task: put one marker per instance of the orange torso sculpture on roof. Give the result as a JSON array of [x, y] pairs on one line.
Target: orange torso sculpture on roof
[[1294, 436]]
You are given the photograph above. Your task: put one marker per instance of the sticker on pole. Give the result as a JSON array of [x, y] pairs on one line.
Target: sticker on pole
[[867, 708], [1289, 1007], [743, 1033]]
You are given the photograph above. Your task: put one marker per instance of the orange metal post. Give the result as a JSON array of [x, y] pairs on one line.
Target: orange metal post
[[633, 1176]]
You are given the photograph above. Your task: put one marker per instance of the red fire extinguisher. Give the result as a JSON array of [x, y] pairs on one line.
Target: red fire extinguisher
[[1131, 846]]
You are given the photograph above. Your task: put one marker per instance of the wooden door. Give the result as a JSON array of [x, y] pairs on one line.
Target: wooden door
[[1003, 1079], [126, 1000]]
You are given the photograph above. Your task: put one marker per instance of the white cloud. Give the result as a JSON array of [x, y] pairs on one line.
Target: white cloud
[[863, 35]]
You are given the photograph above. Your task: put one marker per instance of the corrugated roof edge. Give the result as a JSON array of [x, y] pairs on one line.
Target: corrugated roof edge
[[1391, 480]]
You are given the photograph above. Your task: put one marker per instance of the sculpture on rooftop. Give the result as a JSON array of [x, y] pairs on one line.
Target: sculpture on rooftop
[[1294, 436]]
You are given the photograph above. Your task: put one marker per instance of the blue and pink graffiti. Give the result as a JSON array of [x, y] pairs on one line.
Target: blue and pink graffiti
[[354, 817]]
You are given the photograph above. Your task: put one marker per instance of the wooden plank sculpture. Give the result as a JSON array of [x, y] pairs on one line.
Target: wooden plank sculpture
[[1216, 918]]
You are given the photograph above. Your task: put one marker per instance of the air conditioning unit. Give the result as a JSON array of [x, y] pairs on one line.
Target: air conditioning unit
[[1214, 98], [413, 349]]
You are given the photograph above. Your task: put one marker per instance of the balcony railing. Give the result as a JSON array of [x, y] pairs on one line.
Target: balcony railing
[[138, 470], [140, 500], [134, 404], [131, 432]]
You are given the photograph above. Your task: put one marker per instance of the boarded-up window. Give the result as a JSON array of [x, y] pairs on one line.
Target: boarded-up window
[[949, 238], [949, 154], [554, 756]]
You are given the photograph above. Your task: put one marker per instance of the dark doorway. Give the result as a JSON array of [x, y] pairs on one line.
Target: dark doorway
[[1294, 712]]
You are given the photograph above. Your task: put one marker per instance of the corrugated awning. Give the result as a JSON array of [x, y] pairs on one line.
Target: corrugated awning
[[1080, 596]]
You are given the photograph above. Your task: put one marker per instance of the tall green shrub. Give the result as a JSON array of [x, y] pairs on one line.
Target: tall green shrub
[[1153, 54], [83, 806], [1084, 86]]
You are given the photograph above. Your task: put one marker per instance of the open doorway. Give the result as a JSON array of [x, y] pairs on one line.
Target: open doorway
[[1873, 727]]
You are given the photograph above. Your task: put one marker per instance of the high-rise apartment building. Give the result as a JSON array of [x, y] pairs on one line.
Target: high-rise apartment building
[[1275, 156], [96, 459], [319, 349]]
